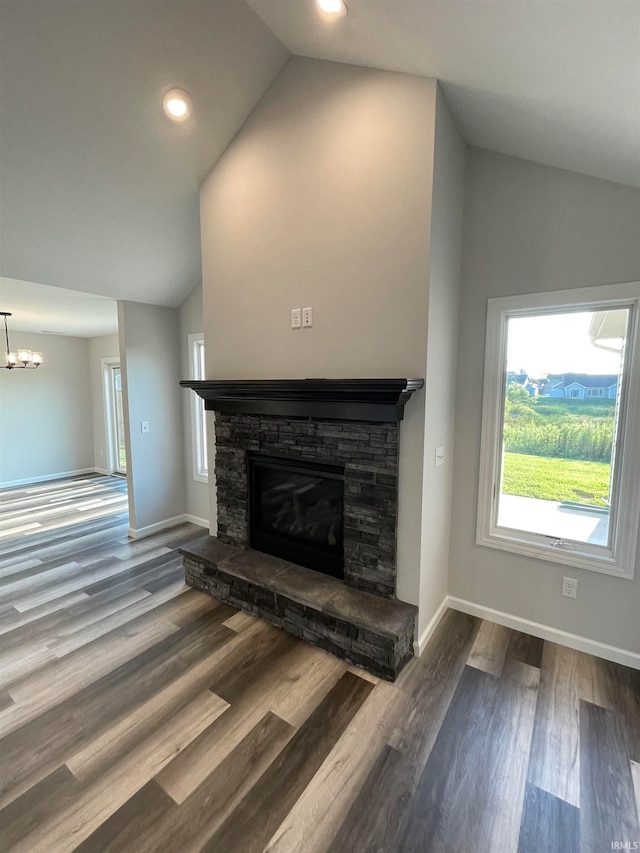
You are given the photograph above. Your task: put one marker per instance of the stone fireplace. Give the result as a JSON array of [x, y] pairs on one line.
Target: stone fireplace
[[307, 493]]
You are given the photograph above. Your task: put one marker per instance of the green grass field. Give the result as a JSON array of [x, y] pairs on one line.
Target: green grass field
[[556, 479]]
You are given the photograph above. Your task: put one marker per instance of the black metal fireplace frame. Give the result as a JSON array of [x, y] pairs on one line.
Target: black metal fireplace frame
[[289, 548]]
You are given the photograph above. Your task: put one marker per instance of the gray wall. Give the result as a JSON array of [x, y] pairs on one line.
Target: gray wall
[[151, 374], [99, 348], [45, 415], [442, 357], [532, 228], [191, 323], [324, 200]]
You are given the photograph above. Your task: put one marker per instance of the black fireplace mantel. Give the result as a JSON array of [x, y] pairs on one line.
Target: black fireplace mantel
[[381, 400]]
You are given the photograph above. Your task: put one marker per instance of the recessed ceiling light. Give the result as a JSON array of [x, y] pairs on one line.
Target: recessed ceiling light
[[177, 104], [333, 7]]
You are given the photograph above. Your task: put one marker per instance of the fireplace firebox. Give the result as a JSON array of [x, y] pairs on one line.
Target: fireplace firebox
[[296, 511]]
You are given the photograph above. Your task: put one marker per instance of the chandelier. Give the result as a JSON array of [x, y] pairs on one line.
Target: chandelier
[[23, 357]]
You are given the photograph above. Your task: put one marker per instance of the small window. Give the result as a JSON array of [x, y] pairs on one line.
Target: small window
[[559, 470], [198, 413]]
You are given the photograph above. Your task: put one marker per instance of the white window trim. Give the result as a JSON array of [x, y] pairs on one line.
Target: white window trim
[[198, 432], [618, 559]]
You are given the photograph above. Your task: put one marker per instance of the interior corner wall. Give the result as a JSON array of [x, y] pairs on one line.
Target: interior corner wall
[[324, 200], [196, 492], [531, 228], [46, 428], [445, 281], [105, 346], [150, 363]]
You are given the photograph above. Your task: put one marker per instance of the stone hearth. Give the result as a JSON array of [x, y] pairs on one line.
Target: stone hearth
[[367, 630]]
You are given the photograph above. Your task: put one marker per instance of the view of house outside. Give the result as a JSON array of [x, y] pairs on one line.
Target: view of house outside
[[560, 416]]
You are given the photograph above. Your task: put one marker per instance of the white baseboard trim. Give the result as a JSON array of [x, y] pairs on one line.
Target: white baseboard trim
[[103, 471], [150, 529], [420, 644], [546, 632], [201, 522], [61, 475]]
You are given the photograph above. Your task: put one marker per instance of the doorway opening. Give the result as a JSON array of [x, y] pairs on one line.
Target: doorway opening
[[114, 411]]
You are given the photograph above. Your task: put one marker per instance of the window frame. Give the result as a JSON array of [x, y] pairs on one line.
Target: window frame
[[198, 414], [619, 556]]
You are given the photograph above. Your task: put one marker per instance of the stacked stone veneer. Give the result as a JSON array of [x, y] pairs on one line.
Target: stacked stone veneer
[[364, 629], [369, 453]]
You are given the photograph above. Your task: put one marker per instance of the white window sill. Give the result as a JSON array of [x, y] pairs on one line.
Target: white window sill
[[564, 555]]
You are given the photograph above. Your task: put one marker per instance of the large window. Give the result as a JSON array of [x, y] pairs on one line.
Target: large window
[[560, 460], [198, 414]]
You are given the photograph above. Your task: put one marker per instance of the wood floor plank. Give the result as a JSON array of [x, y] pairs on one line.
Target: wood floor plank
[[239, 621], [489, 650], [253, 822], [39, 804], [617, 687], [37, 748], [38, 692], [608, 810], [192, 824], [486, 734], [374, 819], [313, 821], [127, 616], [525, 649], [635, 774], [106, 749], [17, 620], [430, 684], [555, 753], [279, 677], [65, 830], [5, 700], [18, 663], [127, 829], [548, 824], [62, 623]]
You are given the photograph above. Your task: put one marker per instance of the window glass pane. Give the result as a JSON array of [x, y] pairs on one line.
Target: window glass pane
[[562, 400], [201, 429]]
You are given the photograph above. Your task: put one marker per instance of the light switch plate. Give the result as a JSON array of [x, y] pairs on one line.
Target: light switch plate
[[439, 456], [144, 426], [307, 317], [296, 318]]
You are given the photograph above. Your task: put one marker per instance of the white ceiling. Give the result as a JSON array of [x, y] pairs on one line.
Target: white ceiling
[[554, 81], [98, 189], [54, 310]]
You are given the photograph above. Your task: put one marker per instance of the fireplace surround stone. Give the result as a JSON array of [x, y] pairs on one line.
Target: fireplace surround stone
[[369, 453]]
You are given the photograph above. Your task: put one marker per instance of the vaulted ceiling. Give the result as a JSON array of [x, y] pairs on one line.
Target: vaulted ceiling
[[99, 190], [554, 81]]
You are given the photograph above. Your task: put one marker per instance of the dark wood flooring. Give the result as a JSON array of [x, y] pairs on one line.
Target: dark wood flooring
[[139, 715]]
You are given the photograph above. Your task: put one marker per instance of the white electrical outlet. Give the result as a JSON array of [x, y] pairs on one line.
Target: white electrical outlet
[[570, 587], [296, 318], [307, 317], [144, 426]]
